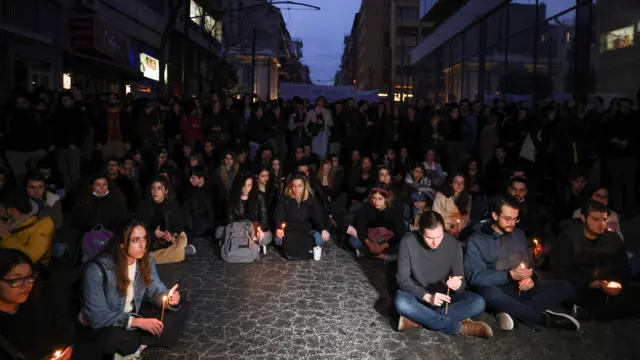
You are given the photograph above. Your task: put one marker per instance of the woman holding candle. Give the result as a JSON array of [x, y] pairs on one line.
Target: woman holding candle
[[114, 286], [302, 214], [26, 321], [453, 202], [379, 226]]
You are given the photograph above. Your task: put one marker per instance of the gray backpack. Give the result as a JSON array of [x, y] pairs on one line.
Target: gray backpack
[[238, 245]]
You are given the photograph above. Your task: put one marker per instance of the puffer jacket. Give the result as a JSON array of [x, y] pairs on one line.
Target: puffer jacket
[[33, 237]]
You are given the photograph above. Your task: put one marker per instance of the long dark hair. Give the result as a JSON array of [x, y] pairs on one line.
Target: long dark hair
[[119, 255], [10, 258], [462, 201], [236, 191]]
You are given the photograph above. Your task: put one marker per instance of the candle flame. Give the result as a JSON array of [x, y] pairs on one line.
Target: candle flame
[[522, 265], [614, 285], [458, 221], [57, 354], [535, 241], [283, 226], [609, 229], [164, 298]]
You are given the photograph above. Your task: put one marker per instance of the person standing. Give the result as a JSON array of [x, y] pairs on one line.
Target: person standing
[[113, 135], [70, 130], [318, 124], [430, 275]]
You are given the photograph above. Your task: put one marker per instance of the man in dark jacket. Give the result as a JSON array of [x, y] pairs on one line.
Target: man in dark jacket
[[497, 264], [27, 138], [70, 130], [113, 130], [197, 210], [594, 261], [529, 209]]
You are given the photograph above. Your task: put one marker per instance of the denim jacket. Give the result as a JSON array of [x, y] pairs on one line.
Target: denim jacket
[[105, 307]]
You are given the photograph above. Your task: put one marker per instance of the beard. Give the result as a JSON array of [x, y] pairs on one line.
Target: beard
[[505, 230]]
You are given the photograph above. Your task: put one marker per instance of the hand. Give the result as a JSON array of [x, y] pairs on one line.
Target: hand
[[526, 284], [153, 326], [421, 205], [168, 237], [279, 233], [65, 355], [325, 236], [454, 282], [609, 291], [454, 232], [159, 234], [173, 297], [259, 234], [436, 299], [520, 273]]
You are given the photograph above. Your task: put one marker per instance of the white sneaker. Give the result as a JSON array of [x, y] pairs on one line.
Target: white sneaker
[[359, 255], [134, 356], [190, 250], [505, 321]]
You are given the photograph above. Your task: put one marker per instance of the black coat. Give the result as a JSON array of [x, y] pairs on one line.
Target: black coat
[[197, 212], [109, 211], [171, 213], [299, 219]]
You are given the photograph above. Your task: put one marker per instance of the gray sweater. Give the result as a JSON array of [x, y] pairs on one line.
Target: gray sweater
[[424, 270]]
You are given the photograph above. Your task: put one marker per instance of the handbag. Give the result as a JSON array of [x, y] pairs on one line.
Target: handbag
[[379, 234]]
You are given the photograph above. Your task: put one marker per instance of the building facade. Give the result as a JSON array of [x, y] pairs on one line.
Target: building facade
[[387, 32], [528, 50], [346, 74]]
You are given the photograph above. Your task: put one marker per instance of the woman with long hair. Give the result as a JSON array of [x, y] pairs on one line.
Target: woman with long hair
[[26, 321], [379, 227], [318, 123], [453, 202], [329, 192], [277, 177], [163, 217], [299, 219], [266, 198], [361, 180], [257, 130], [114, 286]]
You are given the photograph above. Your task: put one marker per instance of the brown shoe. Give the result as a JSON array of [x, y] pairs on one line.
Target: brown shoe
[[406, 324], [476, 328]]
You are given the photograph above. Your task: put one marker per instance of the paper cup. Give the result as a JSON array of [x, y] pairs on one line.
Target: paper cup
[[317, 253]]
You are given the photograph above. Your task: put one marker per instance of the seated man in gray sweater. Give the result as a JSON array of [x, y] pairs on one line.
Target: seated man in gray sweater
[[431, 282], [497, 264]]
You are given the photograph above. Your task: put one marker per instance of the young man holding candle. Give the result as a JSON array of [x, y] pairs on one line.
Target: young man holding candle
[[432, 289], [593, 259], [493, 265]]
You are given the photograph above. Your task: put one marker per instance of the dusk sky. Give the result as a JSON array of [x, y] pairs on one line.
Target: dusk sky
[[322, 33]]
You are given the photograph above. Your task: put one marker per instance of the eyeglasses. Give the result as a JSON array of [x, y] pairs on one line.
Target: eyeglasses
[[14, 283], [509, 220], [515, 190]]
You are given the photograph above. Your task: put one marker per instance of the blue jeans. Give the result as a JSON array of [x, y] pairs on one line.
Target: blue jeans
[[529, 305], [317, 236], [463, 305], [417, 196]]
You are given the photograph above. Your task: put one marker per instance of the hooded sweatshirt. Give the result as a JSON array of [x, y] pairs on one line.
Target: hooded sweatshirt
[[580, 260], [490, 256]]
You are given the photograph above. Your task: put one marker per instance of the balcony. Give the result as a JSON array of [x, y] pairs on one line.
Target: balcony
[[439, 10]]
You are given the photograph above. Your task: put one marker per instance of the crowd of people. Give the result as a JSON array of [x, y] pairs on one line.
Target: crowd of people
[[501, 208]]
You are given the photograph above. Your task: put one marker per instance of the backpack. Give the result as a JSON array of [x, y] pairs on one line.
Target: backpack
[[94, 242], [238, 245]]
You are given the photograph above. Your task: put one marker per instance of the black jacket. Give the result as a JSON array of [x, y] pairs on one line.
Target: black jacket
[[580, 260], [26, 131], [197, 212], [368, 217], [266, 205], [109, 211], [258, 129], [102, 127], [299, 219], [171, 213], [243, 210]]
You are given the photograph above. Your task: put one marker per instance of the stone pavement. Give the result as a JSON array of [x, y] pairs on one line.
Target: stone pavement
[[337, 308]]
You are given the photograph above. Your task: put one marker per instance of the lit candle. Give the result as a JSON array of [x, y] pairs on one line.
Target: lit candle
[[609, 229], [458, 225], [614, 285], [524, 267], [164, 303], [57, 355], [535, 242], [283, 226]]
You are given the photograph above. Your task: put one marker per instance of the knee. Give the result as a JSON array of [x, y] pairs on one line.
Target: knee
[[354, 242], [489, 292], [477, 303], [404, 303]]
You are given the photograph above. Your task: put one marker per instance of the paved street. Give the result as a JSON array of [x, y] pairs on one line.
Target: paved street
[[336, 308]]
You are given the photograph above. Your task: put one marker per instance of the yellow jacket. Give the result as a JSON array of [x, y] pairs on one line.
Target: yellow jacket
[[34, 239]]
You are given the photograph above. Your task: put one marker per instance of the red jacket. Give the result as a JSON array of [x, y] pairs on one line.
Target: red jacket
[[191, 127]]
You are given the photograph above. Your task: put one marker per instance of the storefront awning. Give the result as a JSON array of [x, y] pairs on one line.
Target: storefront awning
[[74, 60]]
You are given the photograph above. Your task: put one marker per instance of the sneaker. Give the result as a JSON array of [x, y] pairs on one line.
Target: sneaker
[[359, 255], [134, 356], [560, 321], [476, 329], [406, 324], [505, 321], [190, 250]]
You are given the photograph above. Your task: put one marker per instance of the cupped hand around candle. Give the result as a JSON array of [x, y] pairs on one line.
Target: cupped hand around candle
[[610, 291], [525, 284], [60, 354], [520, 273], [174, 296]]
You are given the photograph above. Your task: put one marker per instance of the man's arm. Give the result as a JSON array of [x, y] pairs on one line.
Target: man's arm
[[403, 276]]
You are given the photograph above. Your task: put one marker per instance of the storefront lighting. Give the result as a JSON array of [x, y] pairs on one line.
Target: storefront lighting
[[127, 88], [66, 81]]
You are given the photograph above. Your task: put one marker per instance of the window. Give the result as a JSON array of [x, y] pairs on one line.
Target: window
[[407, 12], [409, 31], [617, 39], [195, 12], [213, 27]]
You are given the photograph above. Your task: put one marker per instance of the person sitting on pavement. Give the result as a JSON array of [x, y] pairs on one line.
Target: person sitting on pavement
[[418, 187], [49, 203], [100, 206], [23, 230], [497, 265], [453, 203], [594, 261], [161, 213], [432, 290], [197, 209], [114, 286], [298, 219], [378, 226], [26, 321]]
